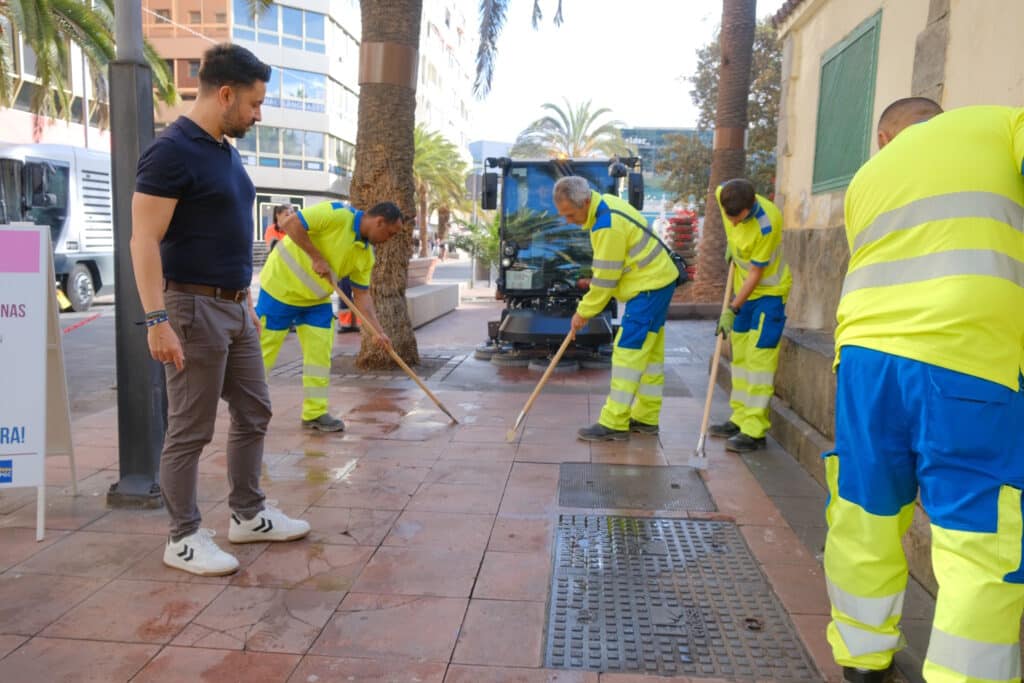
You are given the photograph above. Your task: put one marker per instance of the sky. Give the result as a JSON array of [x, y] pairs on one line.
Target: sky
[[632, 56]]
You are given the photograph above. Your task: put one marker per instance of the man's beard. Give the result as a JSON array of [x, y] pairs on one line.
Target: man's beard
[[234, 128]]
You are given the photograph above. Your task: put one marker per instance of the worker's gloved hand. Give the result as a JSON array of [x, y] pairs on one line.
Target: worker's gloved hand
[[725, 323], [728, 252]]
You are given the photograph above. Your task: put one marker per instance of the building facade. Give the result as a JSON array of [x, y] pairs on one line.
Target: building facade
[[444, 91]]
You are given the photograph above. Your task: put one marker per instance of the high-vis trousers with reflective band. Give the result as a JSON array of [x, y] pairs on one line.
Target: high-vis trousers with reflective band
[[315, 328], [901, 426], [755, 357], [638, 361]]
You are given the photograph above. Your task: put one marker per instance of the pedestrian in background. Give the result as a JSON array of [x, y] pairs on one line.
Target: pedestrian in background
[[632, 266], [757, 313], [929, 396], [327, 241], [191, 246], [274, 233]]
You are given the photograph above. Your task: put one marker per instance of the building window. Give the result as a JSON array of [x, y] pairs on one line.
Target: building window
[[290, 148], [315, 33], [163, 16], [221, 18], [193, 68], [244, 20], [291, 27], [845, 104], [268, 25], [195, 18]]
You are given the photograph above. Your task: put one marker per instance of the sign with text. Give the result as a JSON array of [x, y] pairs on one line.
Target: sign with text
[[24, 316]]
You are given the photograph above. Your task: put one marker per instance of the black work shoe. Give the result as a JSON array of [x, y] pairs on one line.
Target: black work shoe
[[598, 432], [741, 443], [642, 427], [325, 423], [724, 430], [852, 675]]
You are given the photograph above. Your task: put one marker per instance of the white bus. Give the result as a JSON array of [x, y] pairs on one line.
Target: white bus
[[69, 189]]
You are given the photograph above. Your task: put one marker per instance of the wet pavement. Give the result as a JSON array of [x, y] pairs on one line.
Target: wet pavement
[[432, 551]]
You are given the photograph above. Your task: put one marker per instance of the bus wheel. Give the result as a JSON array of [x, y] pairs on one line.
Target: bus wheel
[[80, 289]]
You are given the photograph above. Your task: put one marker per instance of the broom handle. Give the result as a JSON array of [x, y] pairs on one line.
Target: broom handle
[[718, 354], [394, 356], [547, 373]]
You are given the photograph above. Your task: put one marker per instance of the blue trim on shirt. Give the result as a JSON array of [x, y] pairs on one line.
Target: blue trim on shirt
[[357, 285], [356, 225], [602, 217], [302, 219], [337, 205], [761, 264]]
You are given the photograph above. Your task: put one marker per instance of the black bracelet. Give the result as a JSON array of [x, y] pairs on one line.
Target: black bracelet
[[153, 322], [156, 314]]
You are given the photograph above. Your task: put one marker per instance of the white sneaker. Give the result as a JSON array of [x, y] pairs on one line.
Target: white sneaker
[[198, 554], [269, 524]]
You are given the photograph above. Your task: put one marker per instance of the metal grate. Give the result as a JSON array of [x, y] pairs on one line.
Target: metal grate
[[628, 487], [669, 597]]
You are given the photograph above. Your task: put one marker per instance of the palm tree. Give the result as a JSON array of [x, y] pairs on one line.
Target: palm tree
[[385, 155], [439, 172], [48, 27], [492, 20], [728, 157], [571, 132]]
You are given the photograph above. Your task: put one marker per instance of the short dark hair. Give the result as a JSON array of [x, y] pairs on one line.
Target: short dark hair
[[737, 194], [231, 65], [907, 111], [281, 208], [389, 211]]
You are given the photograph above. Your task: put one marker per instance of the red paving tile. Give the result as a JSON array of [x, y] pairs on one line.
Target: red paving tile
[[420, 571], [450, 531], [306, 564], [315, 668], [9, 644], [19, 544], [514, 576], [800, 587], [91, 554], [31, 602], [811, 628], [460, 673], [501, 633], [388, 626], [75, 661], [464, 498], [348, 526], [177, 664], [521, 535], [261, 619], [134, 612]]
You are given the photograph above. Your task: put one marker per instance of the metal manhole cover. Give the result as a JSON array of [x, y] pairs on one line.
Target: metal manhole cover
[[629, 487], [666, 596]]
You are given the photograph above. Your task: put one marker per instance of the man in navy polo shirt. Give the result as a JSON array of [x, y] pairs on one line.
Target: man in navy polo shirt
[[192, 232]]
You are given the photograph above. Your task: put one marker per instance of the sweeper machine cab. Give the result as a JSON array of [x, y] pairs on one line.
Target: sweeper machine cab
[[545, 264]]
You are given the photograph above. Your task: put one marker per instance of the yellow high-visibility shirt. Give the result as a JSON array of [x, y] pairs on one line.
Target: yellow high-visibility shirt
[[757, 241], [333, 228], [935, 223], [627, 260]]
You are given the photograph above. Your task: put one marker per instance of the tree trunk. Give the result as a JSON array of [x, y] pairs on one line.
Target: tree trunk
[[422, 219], [384, 160], [444, 217], [728, 158]]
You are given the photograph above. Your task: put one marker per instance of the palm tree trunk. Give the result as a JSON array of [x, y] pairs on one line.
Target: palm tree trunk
[[728, 158], [384, 159], [422, 217], [444, 217]]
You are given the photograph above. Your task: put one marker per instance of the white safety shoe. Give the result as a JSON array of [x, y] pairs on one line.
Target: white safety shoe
[[269, 524], [198, 554]]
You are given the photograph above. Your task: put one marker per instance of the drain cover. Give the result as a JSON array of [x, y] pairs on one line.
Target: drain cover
[[628, 487], [666, 596]]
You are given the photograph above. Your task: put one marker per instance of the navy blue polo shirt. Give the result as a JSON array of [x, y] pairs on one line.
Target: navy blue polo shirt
[[209, 240]]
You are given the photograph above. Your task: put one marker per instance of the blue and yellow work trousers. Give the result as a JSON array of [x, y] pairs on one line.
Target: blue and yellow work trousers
[[315, 328], [638, 360], [755, 357], [904, 426]]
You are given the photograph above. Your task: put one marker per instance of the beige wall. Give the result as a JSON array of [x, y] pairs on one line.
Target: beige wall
[[809, 34], [985, 56]]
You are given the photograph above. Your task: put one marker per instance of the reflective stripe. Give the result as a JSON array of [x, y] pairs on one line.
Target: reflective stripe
[[626, 374], [314, 392], [931, 266], [871, 611], [764, 378], [602, 282], [318, 371], [650, 390], [775, 278], [319, 290], [973, 658], [639, 248], [608, 265], [654, 369], [650, 257], [751, 400], [620, 396], [745, 265], [860, 642], [943, 207]]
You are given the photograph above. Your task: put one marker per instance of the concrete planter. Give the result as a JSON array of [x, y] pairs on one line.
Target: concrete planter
[[421, 271]]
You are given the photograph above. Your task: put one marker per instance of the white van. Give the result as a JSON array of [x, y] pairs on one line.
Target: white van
[[69, 189]]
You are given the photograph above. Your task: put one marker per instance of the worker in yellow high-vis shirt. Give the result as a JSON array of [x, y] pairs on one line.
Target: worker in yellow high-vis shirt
[[757, 313], [632, 266], [325, 242], [929, 401]]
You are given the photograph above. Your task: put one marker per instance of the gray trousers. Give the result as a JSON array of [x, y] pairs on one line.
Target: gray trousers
[[222, 360]]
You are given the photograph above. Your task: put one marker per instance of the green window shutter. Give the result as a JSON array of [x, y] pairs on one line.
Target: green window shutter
[[845, 104]]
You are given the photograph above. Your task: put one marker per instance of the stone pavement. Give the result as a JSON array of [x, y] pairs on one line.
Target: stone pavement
[[430, 557]]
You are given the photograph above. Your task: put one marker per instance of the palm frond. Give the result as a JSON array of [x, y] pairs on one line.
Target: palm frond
[[492, 21]]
